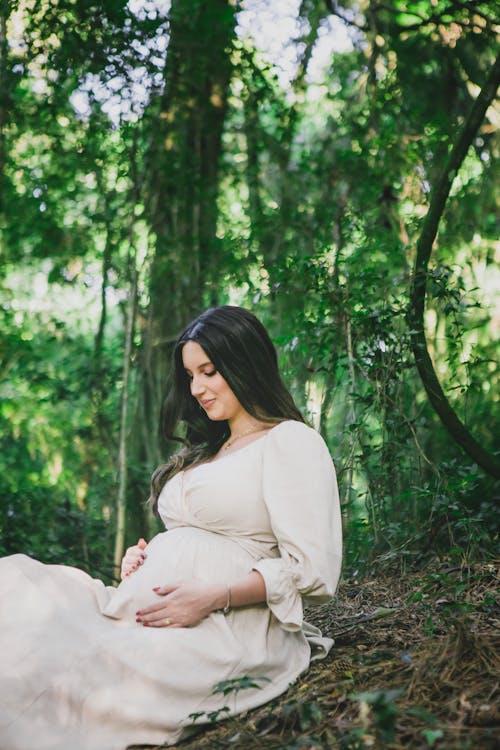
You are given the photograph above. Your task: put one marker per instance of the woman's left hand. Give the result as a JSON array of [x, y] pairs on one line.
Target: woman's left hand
[[183, 604]]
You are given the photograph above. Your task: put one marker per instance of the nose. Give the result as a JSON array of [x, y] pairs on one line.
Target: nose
[[197, 388]]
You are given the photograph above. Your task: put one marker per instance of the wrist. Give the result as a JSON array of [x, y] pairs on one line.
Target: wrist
[[223, 599]]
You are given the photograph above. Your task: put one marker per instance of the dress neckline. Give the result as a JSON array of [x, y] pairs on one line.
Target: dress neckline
[[239, 450]]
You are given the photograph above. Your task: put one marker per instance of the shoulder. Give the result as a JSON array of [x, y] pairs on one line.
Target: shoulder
[[296, 456], [296, 436], [293, 429]]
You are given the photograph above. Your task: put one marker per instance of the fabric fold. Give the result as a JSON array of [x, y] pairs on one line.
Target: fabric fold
[[283, 598]]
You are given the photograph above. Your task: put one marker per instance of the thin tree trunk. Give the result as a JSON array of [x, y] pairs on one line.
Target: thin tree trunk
[[106, 266], [121, 502], [437, 397], [352, 416], [4, 96]]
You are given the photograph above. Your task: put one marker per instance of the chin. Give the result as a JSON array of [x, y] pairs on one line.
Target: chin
[[214, 417]]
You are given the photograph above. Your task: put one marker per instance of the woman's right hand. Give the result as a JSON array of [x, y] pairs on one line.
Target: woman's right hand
[[133, 558]]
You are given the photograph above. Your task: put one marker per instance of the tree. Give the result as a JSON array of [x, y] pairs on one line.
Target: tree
[[418, 289], [185, 125]]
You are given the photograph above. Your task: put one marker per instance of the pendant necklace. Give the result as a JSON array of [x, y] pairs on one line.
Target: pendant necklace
[[232, 439]]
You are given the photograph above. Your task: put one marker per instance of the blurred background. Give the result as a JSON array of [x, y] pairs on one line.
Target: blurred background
[[157, 158]]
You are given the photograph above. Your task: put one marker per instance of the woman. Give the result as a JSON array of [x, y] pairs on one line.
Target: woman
[[253, 527]]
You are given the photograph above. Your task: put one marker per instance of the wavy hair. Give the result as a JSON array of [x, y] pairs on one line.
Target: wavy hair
[[240, 349]]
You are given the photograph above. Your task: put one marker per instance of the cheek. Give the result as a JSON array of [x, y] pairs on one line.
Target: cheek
[[218, 384], [229, 397]]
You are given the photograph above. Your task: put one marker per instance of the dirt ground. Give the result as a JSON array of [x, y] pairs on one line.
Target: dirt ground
[[415, 665]]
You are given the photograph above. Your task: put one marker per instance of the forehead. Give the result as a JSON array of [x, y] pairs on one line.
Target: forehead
[[194, 356]]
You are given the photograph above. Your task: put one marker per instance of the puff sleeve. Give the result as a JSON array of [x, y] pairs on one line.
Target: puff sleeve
[[301, 496]]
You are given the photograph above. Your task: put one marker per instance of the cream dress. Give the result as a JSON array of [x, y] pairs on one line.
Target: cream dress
[[78, 672]]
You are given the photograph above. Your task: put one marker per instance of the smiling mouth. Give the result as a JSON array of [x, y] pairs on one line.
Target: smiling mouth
[[207, 404]]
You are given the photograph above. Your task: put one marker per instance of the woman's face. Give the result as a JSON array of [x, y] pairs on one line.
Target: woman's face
[[208, 386]]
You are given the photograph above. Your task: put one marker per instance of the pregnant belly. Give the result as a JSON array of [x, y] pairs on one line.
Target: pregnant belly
[[184, 553]]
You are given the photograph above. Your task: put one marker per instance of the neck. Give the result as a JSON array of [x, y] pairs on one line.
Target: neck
[[242, 423]]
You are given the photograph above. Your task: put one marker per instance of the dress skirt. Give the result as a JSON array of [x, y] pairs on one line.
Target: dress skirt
[[80, 673]]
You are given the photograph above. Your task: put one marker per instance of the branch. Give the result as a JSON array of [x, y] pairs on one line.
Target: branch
[[415, 316], [452, 9], [333, 8]]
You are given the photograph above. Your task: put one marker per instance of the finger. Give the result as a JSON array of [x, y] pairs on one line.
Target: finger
[[152, 609], [163, 624], [155, 618], [135, 558], [132, 564], [129, 566], [135, 552], [142, 543], [164, 590]]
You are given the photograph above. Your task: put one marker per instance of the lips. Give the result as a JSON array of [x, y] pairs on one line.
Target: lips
[[208, 403]]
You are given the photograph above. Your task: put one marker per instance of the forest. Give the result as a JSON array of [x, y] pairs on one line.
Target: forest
[[331, 165]]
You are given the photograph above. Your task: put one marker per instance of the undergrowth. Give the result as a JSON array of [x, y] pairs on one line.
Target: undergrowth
[[414, 665]]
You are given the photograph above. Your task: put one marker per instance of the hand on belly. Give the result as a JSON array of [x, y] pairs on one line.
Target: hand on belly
[[182, 604]]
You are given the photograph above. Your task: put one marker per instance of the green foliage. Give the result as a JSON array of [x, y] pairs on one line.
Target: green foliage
[[302, 714], [224, 688], [383, 708], [235, 684], [308, 213], [432, 735], [53, 477]]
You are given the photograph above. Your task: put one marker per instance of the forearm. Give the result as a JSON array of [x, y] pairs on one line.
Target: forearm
[[246, 591], [187, 604]]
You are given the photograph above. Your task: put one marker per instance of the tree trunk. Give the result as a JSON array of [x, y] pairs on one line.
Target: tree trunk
[[121, 501], [437, 397], [4, 96], [182, 179]]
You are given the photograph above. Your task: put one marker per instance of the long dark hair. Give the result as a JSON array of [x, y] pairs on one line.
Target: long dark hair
[[240, 349]]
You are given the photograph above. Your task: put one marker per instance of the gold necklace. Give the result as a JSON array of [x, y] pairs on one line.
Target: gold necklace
[[232, 439]]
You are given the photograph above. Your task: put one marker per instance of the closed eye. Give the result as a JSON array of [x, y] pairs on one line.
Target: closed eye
[[209, 374]]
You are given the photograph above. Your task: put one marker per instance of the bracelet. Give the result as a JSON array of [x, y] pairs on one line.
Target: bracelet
[[226, 609]]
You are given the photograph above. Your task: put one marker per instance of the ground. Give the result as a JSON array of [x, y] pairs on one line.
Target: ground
[[415, 665]]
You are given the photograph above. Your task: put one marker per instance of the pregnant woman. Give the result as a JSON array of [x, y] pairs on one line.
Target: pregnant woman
[[250, 505]]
